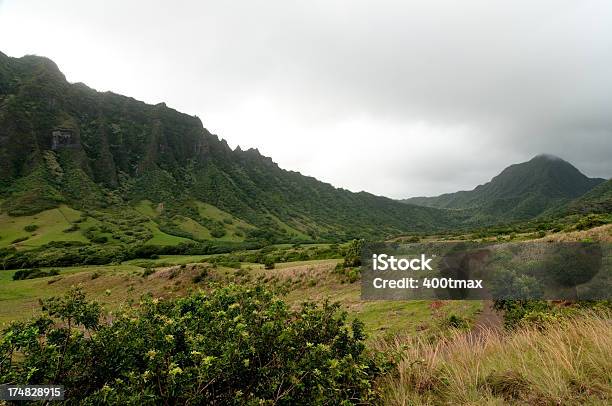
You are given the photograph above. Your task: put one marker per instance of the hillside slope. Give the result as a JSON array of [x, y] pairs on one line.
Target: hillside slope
[[63, 143], [519, 192], [597, 200]]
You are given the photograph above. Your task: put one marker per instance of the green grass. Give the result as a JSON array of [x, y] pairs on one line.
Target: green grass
[[214, 213], [412, 316], [19, 299], [51, 225], [161, 238], [194, 228], [233, 226], [145, 207]]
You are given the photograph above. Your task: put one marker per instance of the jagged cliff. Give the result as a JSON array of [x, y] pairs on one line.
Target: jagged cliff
[[67, 143]]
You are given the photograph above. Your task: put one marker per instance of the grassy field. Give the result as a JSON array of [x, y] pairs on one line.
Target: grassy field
[[120, 285], [234, 228], [47, 226], [161, 238]]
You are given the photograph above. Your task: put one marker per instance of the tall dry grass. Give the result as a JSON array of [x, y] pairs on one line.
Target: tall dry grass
[[569, 362]]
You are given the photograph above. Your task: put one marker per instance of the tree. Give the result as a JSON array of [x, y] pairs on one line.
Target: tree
[[352, 257]]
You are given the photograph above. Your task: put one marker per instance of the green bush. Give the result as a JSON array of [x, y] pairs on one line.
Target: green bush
[[590, 221], [148, 271], [268, 263], [349, 275], [217, 233], [101, 239], [235, 345], [71, 229], [34, 273], [455, 321], [20, 239], [352, 258], [30, 227], [516, 311]]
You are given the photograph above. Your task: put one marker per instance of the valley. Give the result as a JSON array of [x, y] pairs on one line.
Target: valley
[[121, 220]]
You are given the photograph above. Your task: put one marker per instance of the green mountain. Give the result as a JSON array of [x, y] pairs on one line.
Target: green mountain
[[519, 192], [111, 169]]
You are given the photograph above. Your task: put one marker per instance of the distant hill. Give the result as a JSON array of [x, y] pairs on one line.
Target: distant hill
[[521, 191], [114, 159]]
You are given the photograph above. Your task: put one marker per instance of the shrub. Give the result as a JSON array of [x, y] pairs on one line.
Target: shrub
[[235, 345], [268, 263], [100, 239], [455, 321], [515, 311], [217, 233], [71, 229], [349, 275], [200, 276], [352, 258], [20, 239], [30, 227], [590, 221], [34, 273]]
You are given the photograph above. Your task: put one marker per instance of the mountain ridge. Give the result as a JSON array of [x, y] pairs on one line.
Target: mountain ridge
[[103, 153], [63, 143], [520, 191]]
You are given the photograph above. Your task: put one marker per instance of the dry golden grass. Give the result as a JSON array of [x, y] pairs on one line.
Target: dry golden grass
[[602, 234], [566, 363]]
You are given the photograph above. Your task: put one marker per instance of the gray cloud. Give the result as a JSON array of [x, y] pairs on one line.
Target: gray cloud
[[397, 98]]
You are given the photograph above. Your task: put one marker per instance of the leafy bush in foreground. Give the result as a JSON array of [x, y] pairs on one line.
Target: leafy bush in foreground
[[236, 345]]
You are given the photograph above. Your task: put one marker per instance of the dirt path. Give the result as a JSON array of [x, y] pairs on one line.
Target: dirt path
[[488, 320]]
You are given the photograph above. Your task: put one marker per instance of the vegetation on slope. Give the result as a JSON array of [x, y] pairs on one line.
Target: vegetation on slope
[[597, 200], [66, 143], [519, 192]]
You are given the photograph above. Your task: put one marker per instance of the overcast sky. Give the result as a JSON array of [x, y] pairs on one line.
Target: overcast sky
[[398, 98]]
